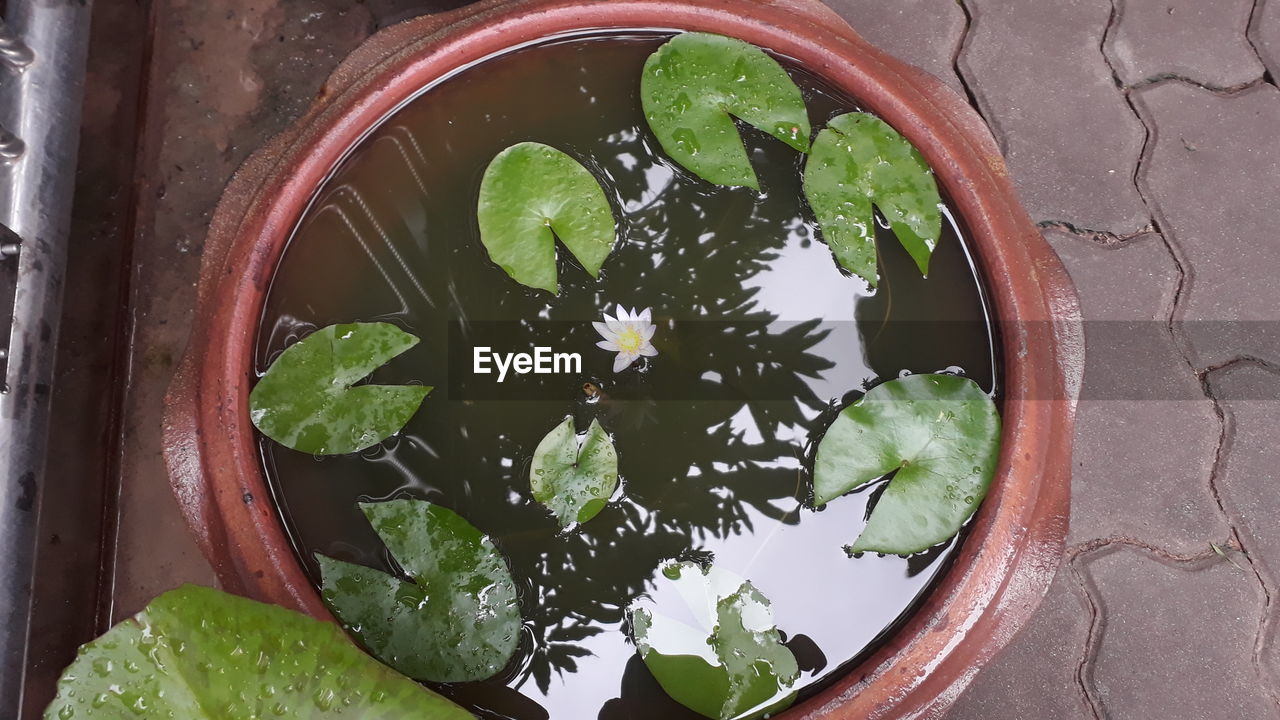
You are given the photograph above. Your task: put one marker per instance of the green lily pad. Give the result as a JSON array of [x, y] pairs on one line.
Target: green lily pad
[[731, 663], [859, 160], [575, 480], [308, 400], [532, 194], [459, 618], [939, 434], [695, 84], [201, 654]]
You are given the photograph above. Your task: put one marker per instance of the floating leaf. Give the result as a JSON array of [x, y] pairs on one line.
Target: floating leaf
[[532, 194], [859, 160], [695, 84], [939, 434], [200, 654], [732, 663], [457, 621], [306, 399], [575, 480]]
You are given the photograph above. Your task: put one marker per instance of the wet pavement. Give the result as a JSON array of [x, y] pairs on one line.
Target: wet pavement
[[1143, 138]]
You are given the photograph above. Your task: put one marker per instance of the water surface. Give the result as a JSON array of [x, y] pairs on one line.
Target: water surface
[[762, 339]]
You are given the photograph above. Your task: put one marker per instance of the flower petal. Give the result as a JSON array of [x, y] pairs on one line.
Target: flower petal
[[623, 361], [646, 315], [614, 324], [609, 345], [648, 350], [604, 330], [647, 332]]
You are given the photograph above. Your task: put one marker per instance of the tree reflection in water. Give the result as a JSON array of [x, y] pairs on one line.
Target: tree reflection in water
[[755, 340], [705, 431]]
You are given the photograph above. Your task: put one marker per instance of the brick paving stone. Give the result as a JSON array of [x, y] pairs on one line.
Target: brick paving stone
[[1250, 476], [1176, 639], [1213, 177], [1265, 34], [1146, 435], [1200, 41], [1035, 676], [1041, 81], [925, 33]]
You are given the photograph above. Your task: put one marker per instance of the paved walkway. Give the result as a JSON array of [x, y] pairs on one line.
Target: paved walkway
[[1144, 137]]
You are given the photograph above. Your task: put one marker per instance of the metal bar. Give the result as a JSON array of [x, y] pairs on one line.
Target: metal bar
[[42, 67], [13, 50]]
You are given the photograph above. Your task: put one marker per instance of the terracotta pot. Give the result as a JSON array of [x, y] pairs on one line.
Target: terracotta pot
[[1013, 550]]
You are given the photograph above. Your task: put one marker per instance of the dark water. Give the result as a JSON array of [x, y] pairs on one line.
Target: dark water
[[761, 339]]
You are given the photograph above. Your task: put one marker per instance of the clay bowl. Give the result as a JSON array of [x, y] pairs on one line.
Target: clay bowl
[[1013, 549]]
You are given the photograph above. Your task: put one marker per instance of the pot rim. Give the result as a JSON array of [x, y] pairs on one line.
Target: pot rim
[[1015, 542]]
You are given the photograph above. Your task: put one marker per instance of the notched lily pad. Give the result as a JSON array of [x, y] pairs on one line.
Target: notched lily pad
[[730, 663], [532, 194], [459, 618], [858, 161], [308, 400], [695, 84], [574, 479], [200, 654], [938, 434]]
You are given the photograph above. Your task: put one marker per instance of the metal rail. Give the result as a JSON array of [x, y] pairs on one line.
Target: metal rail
[[43, 46]]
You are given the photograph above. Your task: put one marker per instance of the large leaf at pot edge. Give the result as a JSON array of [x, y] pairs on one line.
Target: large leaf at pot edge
[[532, 194], [695, 84], [574, 480], [731, 662], [858, 161], [940, 433], [200, 654], [459, 618], [307, 400]]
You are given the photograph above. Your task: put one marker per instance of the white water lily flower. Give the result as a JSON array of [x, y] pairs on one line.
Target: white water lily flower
[[629, 334]]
